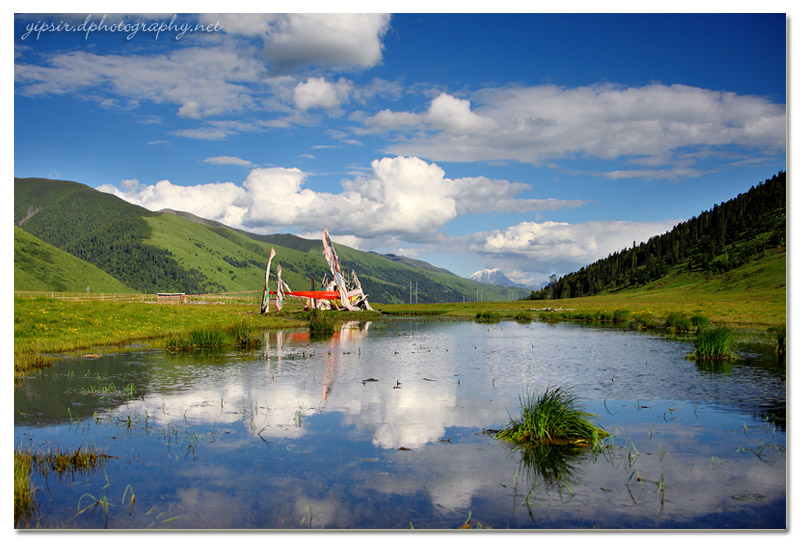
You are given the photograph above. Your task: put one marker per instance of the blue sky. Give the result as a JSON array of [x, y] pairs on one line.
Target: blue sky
[[532, 143]]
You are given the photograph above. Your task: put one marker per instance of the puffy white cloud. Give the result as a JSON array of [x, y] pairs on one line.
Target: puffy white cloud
[[339, 39], [454, 115], [224, 202], [560, 247], [401, 197], [316, 92], [546, 122]]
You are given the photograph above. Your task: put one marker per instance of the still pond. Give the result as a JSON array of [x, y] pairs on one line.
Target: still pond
[[387, 425]]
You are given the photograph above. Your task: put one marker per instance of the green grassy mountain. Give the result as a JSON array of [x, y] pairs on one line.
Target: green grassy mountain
[[748, 228], [38, 266], [175, 251]]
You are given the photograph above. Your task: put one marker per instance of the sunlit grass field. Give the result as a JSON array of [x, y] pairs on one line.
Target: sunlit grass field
[[753, 299]]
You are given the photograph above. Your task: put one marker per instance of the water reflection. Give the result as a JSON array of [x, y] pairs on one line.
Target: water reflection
[[380, 425]]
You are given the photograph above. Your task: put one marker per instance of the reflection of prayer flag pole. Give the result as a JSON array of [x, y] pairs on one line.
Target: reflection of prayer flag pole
[[265, 297]]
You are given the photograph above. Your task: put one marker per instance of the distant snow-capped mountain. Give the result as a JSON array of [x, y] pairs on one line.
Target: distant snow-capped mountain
[[494, 276]]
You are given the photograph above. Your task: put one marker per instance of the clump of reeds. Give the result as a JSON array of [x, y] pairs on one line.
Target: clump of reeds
[[198, 338], [601, 316], [82, 459], [716, 343], [621, 316], [29, 361], [208, 338], [554, 417], [780, 338], [485, 316], [678, 322], [320, 322], [245, 337], [524, 317], [644, 321], [23, 491], [700, 321], [551, 317]]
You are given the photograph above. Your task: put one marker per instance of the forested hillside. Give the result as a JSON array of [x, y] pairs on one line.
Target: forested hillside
[[730, 235], [38, 266], [102, 230]]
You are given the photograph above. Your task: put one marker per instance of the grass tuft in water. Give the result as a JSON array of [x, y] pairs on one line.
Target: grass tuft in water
[[524, 317], [245, 337], [621, 316], [780, 338], [551, 418], [716, 343], [700, 321], [23, 490], [206, 338], [320, 322], [213, 337], [484, 316], [678, 322]]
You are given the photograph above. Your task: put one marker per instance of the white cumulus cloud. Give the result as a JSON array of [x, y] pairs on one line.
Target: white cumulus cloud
[[316, 92], [560, 247], [401, 197], [536, 124], [340, 39]]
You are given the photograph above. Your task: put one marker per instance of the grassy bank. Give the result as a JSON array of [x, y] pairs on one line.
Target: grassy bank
[[751, 297], [45, 326]]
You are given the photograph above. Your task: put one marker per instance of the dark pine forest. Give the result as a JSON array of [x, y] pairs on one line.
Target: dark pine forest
[[718, 240]]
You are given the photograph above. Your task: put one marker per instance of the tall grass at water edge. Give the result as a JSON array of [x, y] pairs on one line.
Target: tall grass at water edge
[[320, 322], [81, 460], [714, 343], [240, 334]]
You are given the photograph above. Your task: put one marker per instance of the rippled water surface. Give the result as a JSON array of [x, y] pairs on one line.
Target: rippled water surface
[[385, 425]]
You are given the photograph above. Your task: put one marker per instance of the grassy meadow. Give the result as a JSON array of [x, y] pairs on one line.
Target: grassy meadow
[[753, 298]]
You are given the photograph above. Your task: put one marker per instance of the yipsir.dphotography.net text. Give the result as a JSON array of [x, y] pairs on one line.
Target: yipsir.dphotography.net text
[[89, 26]]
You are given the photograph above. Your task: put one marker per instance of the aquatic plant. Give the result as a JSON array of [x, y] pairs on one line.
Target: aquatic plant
[[716, 343], [84, 458], [213, 337], [485, 316], [700, 321], [550, 317], [621, 316], [26, 361], [524, 317], [780, 338], [208, 337], [23, 491], [603, 316], [644, 321], [178, 343], [245, 337], [320, 322], [553, 417], [678, 322]]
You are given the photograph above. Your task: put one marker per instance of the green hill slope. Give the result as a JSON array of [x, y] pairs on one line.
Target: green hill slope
[[731, 235], [176, 251], [38, 266]]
